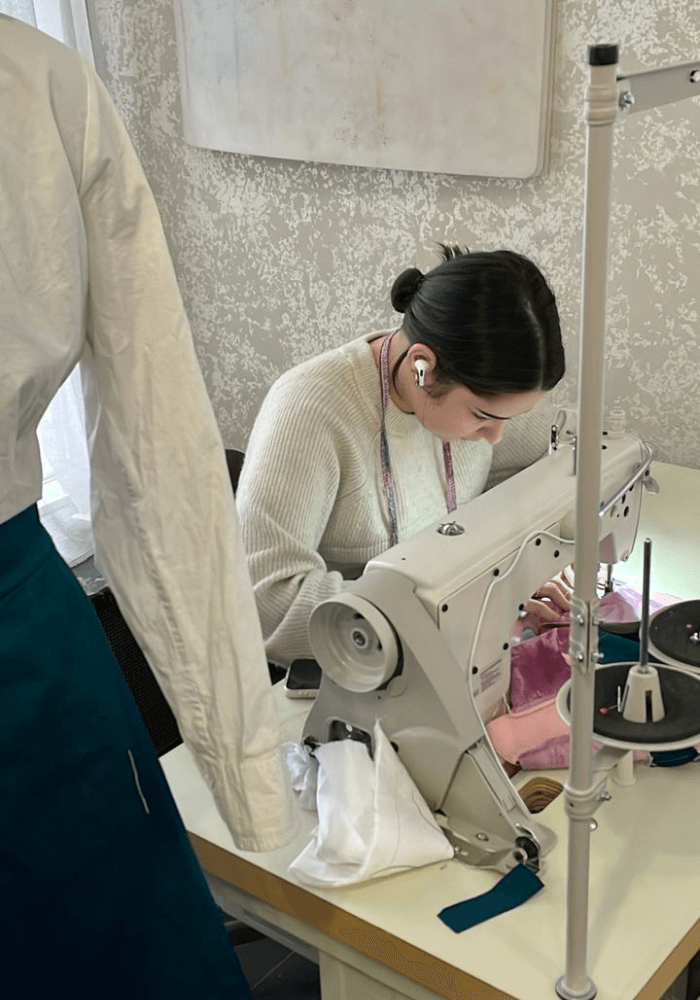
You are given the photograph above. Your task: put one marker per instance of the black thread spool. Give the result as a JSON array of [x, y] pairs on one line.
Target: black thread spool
[[677, 725], [674, 634]]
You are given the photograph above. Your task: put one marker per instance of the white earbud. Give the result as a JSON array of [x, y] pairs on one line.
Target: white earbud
[[420, 367]]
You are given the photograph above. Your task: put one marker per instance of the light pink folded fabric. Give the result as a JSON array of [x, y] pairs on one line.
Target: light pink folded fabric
[[539, 728]]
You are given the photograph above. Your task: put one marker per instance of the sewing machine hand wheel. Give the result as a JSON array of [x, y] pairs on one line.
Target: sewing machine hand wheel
[[353, 642]]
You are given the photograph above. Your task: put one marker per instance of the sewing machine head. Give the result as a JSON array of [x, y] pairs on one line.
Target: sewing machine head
[[421, 641]]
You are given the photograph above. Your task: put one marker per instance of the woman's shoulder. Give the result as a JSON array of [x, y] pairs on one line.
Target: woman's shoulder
[[342, 378], [328, 404], [354, 354]]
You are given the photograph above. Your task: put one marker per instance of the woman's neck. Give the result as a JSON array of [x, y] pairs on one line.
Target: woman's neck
[[397, 385]]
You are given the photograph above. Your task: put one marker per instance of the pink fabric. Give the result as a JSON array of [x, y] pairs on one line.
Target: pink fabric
[[533, 734], [554, 753], [515, 735], [537, 738], [538, 668]]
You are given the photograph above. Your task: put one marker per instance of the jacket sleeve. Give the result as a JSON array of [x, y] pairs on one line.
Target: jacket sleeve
[[166, 529], [287, 491]]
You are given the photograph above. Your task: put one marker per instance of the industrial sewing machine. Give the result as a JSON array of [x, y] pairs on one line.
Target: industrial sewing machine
[[421, 641]]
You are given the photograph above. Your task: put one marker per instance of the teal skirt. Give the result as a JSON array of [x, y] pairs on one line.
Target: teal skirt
[[100, 892]]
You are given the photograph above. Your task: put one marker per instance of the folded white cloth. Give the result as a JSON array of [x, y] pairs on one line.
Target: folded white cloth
[[372, 820]]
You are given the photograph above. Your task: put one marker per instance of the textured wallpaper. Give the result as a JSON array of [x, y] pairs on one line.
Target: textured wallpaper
[[278, 260]]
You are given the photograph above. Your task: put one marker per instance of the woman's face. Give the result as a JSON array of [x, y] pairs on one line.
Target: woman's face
[[461, 415], [458, 414]]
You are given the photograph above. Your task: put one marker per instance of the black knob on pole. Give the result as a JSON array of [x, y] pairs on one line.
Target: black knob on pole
[[603, 55]]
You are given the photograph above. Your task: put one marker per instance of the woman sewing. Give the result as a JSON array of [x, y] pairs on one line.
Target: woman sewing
[[369, 443]]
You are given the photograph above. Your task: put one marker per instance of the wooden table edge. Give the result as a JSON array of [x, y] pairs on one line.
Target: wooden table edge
[[374, 942]]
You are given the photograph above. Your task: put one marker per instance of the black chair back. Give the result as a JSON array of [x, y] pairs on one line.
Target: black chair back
[[234, 460], [155, 711]]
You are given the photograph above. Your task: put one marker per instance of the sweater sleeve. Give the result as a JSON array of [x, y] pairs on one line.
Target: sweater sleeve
[[289, 483]]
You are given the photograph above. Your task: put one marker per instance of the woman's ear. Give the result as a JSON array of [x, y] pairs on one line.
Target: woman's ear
[[422, 362]]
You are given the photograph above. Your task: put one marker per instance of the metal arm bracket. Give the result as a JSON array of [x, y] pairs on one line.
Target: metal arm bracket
[[651, 88], [583, 635]]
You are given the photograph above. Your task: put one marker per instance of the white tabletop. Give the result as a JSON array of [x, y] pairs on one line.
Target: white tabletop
[[645, 876]]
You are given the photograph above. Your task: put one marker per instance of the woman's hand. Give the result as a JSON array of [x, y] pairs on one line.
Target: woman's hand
[[550, 600]]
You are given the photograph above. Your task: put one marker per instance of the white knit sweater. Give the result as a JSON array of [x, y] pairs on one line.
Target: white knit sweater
[[310, 498]]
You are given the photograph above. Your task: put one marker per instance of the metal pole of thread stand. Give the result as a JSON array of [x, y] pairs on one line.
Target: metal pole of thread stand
[[642, 91], [644, 625], [579, 796]]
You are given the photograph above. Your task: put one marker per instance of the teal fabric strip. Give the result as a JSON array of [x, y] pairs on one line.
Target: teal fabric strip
[[514, 889]]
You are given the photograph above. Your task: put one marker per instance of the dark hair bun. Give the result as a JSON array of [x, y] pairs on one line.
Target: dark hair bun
[[405, 287]]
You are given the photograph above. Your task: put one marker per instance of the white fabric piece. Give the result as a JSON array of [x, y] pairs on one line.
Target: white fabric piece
[[85, 275], [303, 773], [372, 820]]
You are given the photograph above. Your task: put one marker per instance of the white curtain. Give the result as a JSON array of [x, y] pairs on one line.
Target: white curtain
[[64, 19], [65, 505]]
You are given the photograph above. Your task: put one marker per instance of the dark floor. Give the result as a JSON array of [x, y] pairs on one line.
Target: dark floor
[[276, 973]]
